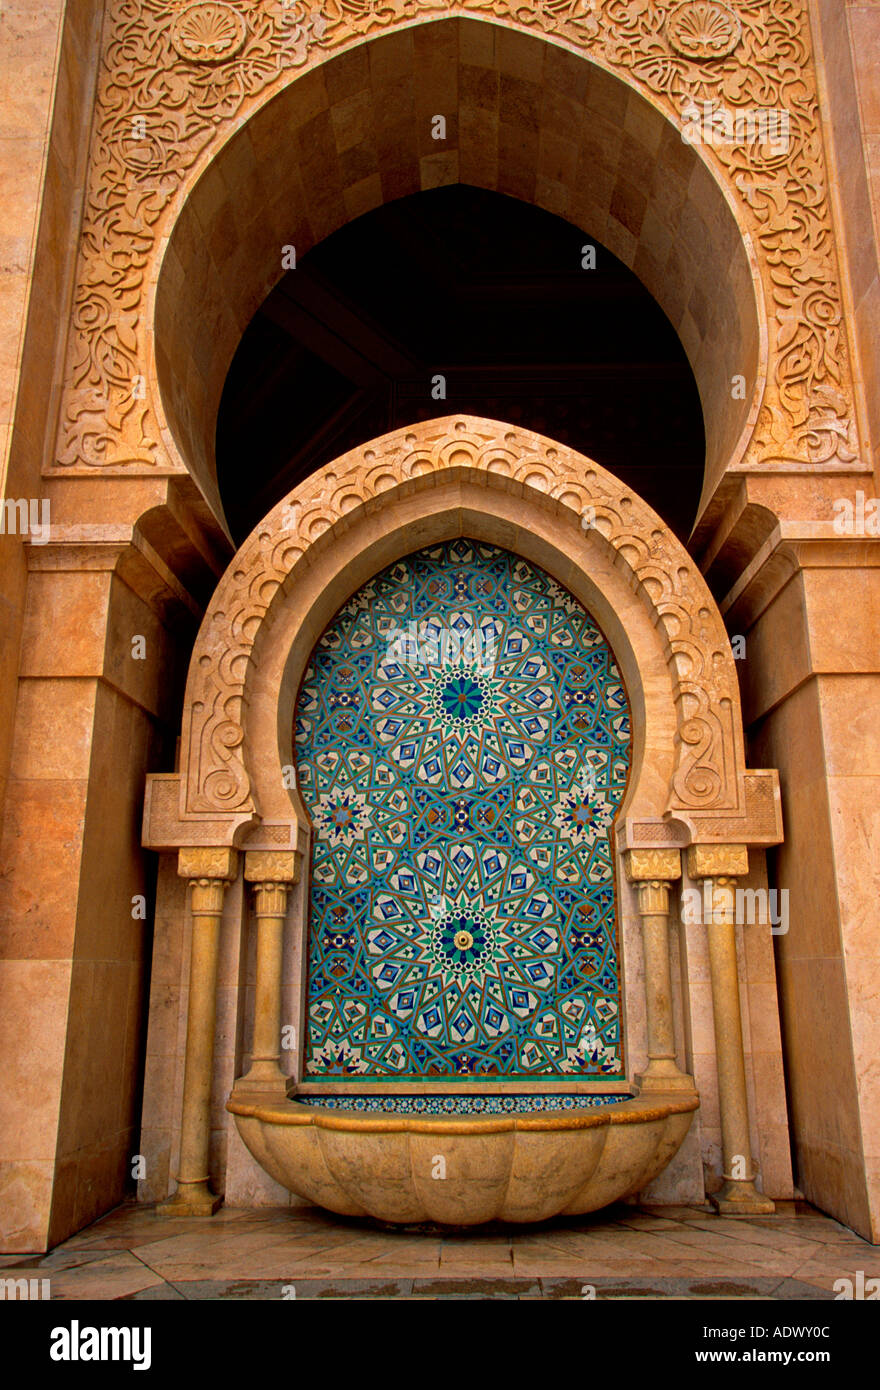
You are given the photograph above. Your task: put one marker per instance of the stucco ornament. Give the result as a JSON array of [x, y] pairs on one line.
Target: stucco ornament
[[703, 29], [208, 33], [174, 79]]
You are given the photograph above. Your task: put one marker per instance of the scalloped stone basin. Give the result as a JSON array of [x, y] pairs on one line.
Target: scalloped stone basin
[[525, 1166]]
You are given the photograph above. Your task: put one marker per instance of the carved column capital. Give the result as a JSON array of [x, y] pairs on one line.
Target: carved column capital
[[653, 864], [652, 871], [206, 862], [272, 866], [653, 897], [272, 873], [270, 899], [210, 872], [718, 861]]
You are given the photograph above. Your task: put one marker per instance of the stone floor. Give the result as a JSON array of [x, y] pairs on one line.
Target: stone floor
[[623, 1252]]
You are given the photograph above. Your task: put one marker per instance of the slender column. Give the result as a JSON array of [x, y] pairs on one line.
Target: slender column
[[653, 871], [273, 873], [210, 871], [722, 865]]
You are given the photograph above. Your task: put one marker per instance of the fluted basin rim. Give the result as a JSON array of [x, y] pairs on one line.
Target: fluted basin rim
[[638, 1110]]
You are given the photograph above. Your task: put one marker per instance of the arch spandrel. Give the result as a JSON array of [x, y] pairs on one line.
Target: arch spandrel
[[173, 91], [711, 796]]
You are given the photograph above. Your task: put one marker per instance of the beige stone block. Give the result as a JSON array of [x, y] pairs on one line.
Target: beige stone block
[[25, 1199], [38, 911], [849, 646], [835, 1178], [813, 994], [64, 628], [855, 820], [864, 27], [94, 1082], [702, 1027], [33, 1024], [779, 651], [53, 729], [101, 1183], [13, 298]]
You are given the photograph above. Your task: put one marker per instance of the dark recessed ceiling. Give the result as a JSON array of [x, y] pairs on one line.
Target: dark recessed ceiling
[[488, 292]]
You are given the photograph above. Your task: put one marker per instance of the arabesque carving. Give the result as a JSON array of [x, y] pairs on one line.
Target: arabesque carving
[[710, 776], [174, 77]]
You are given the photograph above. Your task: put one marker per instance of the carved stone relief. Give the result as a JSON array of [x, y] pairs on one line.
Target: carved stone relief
[[176, 76]]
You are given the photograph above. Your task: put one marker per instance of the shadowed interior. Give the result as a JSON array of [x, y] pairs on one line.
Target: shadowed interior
[[490, 293]]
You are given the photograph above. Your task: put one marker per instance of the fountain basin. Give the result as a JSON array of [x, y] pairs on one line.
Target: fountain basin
[[464, 1169]]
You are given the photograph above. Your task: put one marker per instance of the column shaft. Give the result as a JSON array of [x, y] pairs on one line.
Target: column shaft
[[652, 872], [273, 874], [194, 1196], [738, 1194]]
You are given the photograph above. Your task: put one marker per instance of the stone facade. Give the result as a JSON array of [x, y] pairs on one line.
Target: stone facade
[[154, 152]]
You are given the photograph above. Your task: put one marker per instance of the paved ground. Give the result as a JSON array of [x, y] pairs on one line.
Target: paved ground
[[623, 1252]]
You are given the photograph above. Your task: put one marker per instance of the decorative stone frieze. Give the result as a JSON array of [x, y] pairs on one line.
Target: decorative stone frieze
[[176, 79], [644, 865]]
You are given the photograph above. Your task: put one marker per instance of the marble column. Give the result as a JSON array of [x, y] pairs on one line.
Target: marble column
[[652, 872], [272, 873], [722, 865], [209, 871]]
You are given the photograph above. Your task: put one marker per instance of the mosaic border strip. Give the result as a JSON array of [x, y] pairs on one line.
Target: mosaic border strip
[[517, 1104]]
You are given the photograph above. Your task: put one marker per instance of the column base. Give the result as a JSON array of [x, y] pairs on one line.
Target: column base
[[190, 1199], [270, 1083], [740, 1198], [672, 1080]]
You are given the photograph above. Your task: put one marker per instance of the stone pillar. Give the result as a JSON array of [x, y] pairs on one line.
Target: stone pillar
[[652, 871], [722, 865], [210, 871], [273, 873]]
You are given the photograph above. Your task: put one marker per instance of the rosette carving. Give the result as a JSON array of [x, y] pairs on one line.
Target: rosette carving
[[703, 29], [208, 33]]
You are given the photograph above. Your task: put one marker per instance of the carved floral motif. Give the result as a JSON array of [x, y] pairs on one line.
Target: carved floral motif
[[174, 78], [208, 33], [703, 29]]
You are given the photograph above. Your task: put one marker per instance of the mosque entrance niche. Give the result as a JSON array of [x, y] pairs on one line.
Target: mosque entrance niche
[[463, 744]]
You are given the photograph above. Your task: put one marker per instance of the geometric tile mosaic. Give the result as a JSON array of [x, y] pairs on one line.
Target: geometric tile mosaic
[[461, 1104], [463, 743]]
